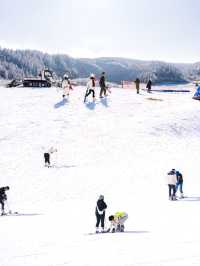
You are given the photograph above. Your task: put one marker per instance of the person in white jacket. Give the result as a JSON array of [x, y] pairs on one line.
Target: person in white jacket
[[90, 87], [171, 181], [66, 86], [47, 156]]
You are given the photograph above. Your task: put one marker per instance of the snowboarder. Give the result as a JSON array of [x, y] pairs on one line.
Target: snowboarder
[[117, 222], [171, 181], [149, 83], [102, 85], [90, 87], [137, 84], [47, 156], [100, 213], [179, 183], [66, 85], [3, 198]]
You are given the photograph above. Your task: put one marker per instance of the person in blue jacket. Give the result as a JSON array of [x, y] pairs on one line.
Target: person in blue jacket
[[179, 183]]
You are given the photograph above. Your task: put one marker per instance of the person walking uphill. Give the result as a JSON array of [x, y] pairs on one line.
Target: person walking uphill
[[100, 213], [3, 198], [102, 85], [90, 87], [171, 181], [137, 84]]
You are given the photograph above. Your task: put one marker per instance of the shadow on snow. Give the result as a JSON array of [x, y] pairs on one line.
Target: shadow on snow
[[61, 103]]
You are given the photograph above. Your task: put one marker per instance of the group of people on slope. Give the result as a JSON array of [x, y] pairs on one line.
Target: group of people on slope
[[137, 85], [116, 221], [175, 182], [91, 85]]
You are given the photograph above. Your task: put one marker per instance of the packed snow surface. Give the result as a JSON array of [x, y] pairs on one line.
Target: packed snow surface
[[121, 147]]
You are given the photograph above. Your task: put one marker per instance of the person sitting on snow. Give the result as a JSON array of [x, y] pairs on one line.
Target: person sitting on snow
[[66, 85], [47, 156], [117, 222], [3, 198]]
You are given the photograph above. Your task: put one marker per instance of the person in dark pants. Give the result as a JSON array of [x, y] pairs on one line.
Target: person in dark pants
[[179, 183], [102, 85], [90, 87], [47, 156], [171, 181], [100, 213], [137, 84], [3, 198], [149, 84]]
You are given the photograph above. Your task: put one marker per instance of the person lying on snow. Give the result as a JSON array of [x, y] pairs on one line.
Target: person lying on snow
[[117, 222]]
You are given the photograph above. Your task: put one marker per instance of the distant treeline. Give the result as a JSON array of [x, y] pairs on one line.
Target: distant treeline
[[17, 64]]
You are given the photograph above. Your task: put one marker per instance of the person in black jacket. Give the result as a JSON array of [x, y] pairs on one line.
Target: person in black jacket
[[3, 198], [100, 213], [149, 83], [102, 84]]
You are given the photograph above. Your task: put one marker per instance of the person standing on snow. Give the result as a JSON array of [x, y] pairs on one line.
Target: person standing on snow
[[171, 181], [117, 222], [47, 156], [137, 84], [149, 84], [100, 213], [66, 85], [3, 198], [179, 183], [90, 87], [102, 84]]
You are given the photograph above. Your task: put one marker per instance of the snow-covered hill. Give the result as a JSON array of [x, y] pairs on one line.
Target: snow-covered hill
[[121, 147]]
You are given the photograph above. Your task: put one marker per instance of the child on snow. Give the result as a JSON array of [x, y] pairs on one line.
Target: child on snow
[[117, 222], [90, 87], [3, 198], [66, 85], [100, 213], [47, 156]]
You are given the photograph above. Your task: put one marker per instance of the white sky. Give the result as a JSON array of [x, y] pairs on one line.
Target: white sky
[[141, 29]]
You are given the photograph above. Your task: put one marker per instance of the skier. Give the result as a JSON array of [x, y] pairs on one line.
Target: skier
[[3, 198], [117, 222], [179, 183], [137, 84], [90, 87], [171, 181], [102, 85], [66, 85], [47, 156], [100, 213], [149, 83]]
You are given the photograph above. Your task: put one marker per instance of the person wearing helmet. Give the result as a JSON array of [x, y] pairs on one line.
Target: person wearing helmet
[[117, 222], [90, 87], [100, 213], [66, 85], [3, 198]]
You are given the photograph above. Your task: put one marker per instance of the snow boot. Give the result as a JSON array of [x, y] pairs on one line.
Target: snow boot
[[122, 228], [97, 230], [118, 228]]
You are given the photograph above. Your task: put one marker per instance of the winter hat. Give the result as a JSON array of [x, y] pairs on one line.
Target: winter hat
[[92, 75], [101, 197], [111, 218]]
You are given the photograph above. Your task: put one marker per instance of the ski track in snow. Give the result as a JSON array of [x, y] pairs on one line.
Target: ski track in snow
[[121, 147]]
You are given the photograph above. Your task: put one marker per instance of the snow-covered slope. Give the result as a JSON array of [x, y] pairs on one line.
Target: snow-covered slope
[[121, 147]]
